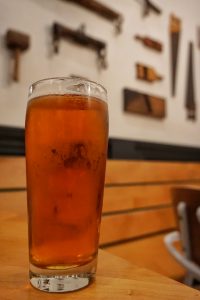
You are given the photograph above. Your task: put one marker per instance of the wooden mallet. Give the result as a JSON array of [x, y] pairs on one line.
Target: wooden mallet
[[17, 42]]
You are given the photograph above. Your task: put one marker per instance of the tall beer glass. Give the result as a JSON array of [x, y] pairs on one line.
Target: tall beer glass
[[66, 149]]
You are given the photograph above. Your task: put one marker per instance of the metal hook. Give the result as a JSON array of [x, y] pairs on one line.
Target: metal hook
[[118, 24], [102, 58]]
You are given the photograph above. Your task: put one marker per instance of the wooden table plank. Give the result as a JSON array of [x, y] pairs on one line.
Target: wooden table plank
[[136, 196], [116, 278], [118, 198], [157, 258], [130, 171], [125, 226], [12, 172]]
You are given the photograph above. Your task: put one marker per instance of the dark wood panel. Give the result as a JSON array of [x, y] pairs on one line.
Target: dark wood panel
[[12, 143], [141, 150]]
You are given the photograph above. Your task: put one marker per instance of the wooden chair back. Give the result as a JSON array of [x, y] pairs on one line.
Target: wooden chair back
[[191, 197]]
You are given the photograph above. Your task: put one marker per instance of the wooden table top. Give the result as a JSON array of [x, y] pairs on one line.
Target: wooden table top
[[116, 278]]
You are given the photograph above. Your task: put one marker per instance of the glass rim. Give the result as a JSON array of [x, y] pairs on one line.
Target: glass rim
[[62, 78]]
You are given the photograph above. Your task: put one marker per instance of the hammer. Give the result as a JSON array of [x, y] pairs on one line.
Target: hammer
[[17, 42]]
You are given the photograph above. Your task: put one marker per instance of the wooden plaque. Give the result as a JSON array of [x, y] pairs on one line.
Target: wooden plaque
[[143, 104]]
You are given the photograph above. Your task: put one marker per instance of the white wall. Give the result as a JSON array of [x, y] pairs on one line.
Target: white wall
[[36, 17]]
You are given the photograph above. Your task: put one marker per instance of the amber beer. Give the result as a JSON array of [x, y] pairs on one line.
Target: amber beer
[[66, 149]]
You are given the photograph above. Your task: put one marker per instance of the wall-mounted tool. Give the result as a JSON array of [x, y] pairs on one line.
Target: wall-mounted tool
[[143, 104], [190, 91], [147, 73], [148, 6], [198, 37], [80, 37], [175, 29], [17, 42], [102, 10], [150, 43]]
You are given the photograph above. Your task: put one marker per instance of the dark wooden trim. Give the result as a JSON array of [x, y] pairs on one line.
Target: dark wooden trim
[[12, 190], [12, 143], [127, 149]]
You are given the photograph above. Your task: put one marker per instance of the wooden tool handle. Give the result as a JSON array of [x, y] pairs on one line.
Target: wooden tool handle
[[98, 8], [175, 24], [153, 7], [16, 64], [147, 73], [148, 42], [159, 77]]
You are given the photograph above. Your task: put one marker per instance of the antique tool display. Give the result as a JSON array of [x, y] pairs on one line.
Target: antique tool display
[[16, 42], [102, 10], [79, 36], [175, 29], [150, 43], [149, 6], [190, 92], [147, 73], [143, 104]]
